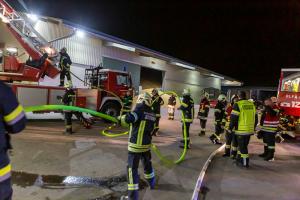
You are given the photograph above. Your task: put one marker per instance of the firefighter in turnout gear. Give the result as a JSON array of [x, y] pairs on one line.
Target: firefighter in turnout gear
[[127, 101], [68, 99], [65, 67], [12, 121], [220, 119], [231, 142], [187, 107], [142, 121], [268, 127], [203, 113], [171, 107], [243, 120], [157, 102]]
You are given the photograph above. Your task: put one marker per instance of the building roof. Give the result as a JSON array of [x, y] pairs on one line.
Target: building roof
[[226, 80]]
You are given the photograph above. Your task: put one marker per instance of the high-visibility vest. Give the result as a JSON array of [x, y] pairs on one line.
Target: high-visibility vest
[[246, 121]]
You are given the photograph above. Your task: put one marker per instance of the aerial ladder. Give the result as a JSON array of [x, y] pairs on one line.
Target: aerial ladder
[[43, 56]]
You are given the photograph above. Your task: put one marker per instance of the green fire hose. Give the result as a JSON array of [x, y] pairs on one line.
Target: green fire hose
[[106, 132]]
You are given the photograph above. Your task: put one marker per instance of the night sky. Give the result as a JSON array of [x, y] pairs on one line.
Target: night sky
[[247, 40]]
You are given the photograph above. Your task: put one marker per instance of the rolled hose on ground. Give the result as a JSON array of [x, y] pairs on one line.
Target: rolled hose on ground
[[155, 149]]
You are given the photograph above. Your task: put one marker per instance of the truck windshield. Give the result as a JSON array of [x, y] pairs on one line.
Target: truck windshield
[[122, 79], [290, 81]]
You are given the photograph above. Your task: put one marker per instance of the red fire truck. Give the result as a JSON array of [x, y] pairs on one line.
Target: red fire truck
[[105, 87]]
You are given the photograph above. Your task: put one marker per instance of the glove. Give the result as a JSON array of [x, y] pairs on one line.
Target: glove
[[259, 135]]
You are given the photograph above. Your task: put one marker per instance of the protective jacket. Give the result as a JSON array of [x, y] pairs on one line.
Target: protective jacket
[[65, 61], [270, 119], [157, 102], [68, 98], [172, 101], [187, 106], [220, 112], [13, 120], [243, 118], [203, 109], [141, 121]]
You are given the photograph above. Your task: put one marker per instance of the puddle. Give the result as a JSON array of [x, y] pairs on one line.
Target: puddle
[[24, 179]]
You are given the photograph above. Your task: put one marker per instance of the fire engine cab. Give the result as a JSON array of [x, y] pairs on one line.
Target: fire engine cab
[[103, 89]]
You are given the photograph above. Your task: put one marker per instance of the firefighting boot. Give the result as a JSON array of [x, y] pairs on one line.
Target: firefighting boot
[[124, 197], [227, 152], [233, 154], [213, 139], [270, 155], [217, 141], [151, 183], [202, 133], [265, 153], [238, 159], [188, 145], [245, 162]]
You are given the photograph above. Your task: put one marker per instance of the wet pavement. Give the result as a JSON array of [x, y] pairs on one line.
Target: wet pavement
[[278, 180], [50, 165]]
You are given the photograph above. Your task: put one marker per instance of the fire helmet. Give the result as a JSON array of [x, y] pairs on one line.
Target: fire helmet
[[146, 98], [222, 97], [186, 92]]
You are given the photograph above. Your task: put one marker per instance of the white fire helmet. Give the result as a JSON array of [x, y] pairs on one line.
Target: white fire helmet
[[145, 97], [186, 92], [221, 97], [274, 99], [206, 95]]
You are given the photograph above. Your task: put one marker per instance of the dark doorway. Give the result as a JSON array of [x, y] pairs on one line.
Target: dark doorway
[[151, 78]]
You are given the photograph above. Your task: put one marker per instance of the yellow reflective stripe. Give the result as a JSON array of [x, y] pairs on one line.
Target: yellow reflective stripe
[[130, 176], [148, 176], [184, 105], [68, 126], [5, 170], [139, 150], [133, 186], [233, 148], [227, 146], [218, 137], [188, 120], [234, 112], [141, 133], [244, 155], [14, 114], [271, 147], [130, 130]]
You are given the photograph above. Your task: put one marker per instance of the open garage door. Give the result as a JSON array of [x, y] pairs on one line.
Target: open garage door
[[151, 78]]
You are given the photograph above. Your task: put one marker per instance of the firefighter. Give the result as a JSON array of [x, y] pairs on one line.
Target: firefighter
[[142, 121], [68, 100], [243, 120], [219, 119], [157, 102], [127, 102], [64, 65], [187, 107], [231, 143], [171, 107], [12, 121], [269, 125], [203, 113]]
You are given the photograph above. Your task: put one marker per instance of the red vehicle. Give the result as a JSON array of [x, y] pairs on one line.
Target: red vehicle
[[289, 91], [106, 87]]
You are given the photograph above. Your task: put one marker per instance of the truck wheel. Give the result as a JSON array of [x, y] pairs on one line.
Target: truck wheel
[[111, 108]]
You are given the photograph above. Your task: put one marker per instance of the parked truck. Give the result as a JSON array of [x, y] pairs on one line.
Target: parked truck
[[104, 88]]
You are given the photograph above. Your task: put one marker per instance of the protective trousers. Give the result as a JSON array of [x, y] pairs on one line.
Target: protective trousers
[[231, 144], [269, 143], [203, 126], [218, 131], [6, 190], [82, 119], [65, 73], [243, 156], [187, 124], [171, 111], [68, 122], [133, 177], [156, 126]]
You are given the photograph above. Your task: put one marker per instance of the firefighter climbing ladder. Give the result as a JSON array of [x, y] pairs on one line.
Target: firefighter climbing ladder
[[20, 24]]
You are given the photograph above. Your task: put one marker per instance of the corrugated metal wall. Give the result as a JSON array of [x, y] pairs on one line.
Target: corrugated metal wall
[[85, 51], [176, 78]]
